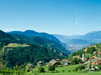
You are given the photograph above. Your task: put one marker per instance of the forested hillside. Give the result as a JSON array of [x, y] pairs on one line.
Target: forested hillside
[[31, 54], [6, 39], [34, 33], [15, 51], [53, 45], [92, 50]]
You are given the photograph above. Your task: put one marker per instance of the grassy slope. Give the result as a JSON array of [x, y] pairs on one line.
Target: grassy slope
[[93, 73], [16, 45], [65, 68]]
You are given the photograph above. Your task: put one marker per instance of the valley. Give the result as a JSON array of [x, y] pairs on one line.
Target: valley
[[41, 51], [77, 42]]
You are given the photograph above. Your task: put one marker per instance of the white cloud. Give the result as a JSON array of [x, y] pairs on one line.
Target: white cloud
[[8, 29]]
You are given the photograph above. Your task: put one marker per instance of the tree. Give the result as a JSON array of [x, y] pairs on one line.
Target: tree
[[99, 66], [80, 67], [76, 69], [91, 50], [75, 61], [51, 68], [41, 69]]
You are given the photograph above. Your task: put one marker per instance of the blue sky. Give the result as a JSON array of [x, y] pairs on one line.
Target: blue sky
[[66, 17]]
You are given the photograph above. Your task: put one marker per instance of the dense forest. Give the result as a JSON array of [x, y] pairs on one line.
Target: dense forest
[[36, 50], [53, 45], [33, 54]]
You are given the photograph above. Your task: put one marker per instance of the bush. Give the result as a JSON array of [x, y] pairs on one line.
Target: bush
[[99, 66], [76, 69], [41, 69], [80, 67], [51, 68], [69, 70], [36, 72], [91, 50], [57, 71], [63, 70], [75, 61]]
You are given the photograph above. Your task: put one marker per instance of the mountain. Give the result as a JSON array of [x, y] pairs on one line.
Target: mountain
[[6, 38], [63, 38], [31, 54], [34, 33], [95, 35], [14, 51], [91, 50], [76, 42], [56, 47]]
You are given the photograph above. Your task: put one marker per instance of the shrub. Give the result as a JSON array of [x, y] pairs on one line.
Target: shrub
[[41, 69], [99, 66], [75, 61], [57, 71], [63, 70], [69, 70], [80, 67], [76, 69], [51, 68], [36, 72]]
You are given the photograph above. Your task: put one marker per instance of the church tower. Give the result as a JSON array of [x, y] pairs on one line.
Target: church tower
[[83, 56]]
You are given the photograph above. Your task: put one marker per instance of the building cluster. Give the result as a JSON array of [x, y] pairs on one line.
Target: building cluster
[[54, 62], [91, 63], [93, 60]]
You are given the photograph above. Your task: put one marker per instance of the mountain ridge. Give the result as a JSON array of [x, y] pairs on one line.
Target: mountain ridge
[[84, 40], [34, 33]]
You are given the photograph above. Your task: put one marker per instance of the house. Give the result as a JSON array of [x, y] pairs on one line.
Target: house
[[76, 57], [48, 64], [40, 63], [96, 61], [58, 60], [99, 53], [30, 66], [65, 62], [53, 62], [92, 58]]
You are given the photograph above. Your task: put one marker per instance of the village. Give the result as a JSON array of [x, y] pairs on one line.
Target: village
[[91, 64]]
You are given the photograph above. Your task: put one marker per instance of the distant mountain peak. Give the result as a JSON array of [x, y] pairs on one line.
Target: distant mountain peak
[[34, 33], [29, 31]]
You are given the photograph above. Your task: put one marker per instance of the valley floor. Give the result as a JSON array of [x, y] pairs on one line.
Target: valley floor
[[93, 73], [64, 71]]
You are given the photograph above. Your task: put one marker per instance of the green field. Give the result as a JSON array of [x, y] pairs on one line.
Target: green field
[[93, 73], [64, 71], [60, 69]]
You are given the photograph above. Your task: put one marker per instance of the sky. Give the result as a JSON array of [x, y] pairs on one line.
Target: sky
[[65, 17]]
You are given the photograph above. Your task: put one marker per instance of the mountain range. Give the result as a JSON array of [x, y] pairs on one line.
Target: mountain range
[[71, 43], [76, 42], [20, 49], [34, 33], [43, 39]]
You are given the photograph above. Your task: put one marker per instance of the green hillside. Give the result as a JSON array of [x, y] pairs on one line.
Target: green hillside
[[33, 54], [91, 50], [56, 47], [14, 51]]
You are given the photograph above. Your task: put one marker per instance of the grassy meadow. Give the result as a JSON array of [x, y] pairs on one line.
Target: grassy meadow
[[93, 73], [66, 70]]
